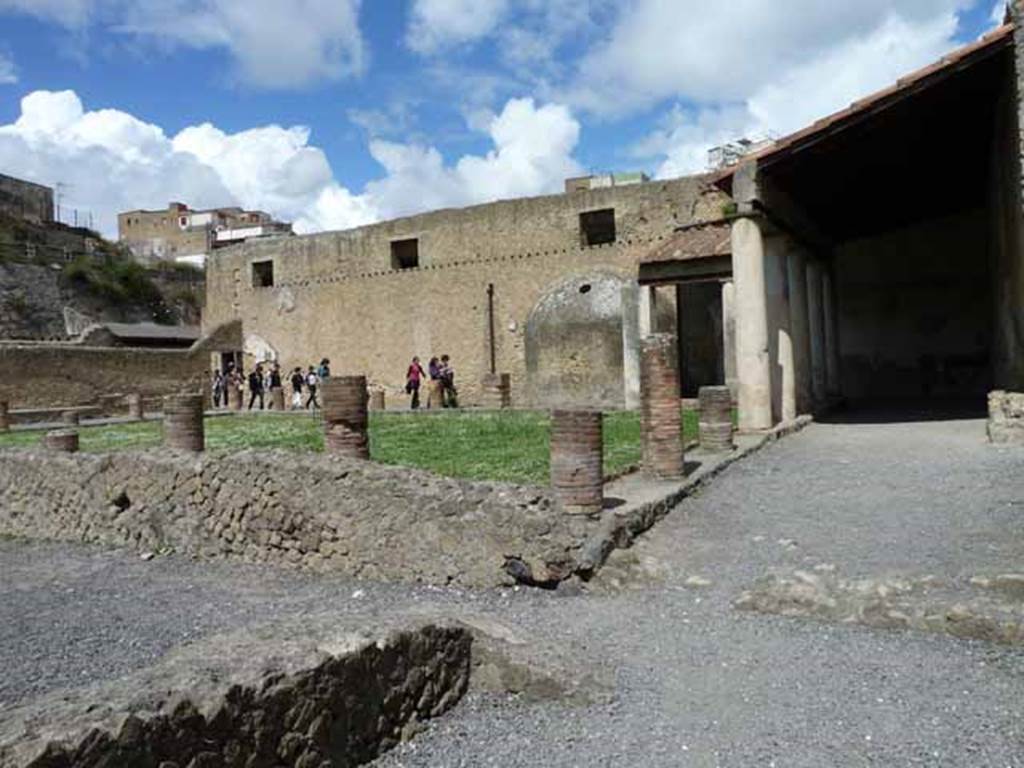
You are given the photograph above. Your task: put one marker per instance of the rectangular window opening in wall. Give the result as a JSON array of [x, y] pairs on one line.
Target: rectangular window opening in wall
[[597, 227], [405, 254], [262, 274]]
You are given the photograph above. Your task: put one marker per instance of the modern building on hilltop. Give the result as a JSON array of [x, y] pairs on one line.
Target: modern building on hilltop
[[876, 255], [182, 234]]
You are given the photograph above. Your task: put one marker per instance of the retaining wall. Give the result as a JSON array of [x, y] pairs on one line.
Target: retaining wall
[[312, 511]]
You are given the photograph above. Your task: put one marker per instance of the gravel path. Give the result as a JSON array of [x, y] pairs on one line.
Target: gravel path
[[697, 683]]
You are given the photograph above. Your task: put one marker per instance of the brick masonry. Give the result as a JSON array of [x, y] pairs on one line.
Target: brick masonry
[[577, 460], [660, 412], [346, 421], [716, 419]]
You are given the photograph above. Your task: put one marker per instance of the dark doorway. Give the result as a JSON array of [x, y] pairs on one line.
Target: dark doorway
[[699, 320]]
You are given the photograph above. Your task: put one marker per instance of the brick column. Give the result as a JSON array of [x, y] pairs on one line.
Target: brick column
[[71, 418], [577, 461], [496, 390], [5, 419], [661, 423], [61, 440], [135, 411], [345, 418], [183, 423], [715, 419]]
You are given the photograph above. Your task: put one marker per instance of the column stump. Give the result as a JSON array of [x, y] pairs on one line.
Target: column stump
[[234, 398], [435, 394], [377, 400], [661, 421], [577, 461], [496, 391], [135, 409], [716, 419], [277, 399], [5, 419], [61, 440], [345, 416], [183, 423]]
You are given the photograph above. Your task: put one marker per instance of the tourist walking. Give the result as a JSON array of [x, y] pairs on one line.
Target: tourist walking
[[219, 388], [311, 382], [297, 381], [449, 395], [275, 382], [256, 386], [413, 377]]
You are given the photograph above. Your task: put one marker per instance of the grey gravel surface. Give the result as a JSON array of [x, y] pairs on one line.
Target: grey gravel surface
[[697, 683]]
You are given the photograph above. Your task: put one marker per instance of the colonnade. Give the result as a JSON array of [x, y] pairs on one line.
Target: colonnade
[[786, 327]]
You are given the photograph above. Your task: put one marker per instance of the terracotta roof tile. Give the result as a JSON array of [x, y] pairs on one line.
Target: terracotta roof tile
[[701, 241]]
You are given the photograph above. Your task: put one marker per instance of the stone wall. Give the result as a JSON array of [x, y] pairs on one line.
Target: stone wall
[[337, 295], [288, 696], [1006, 417], [55, 374], [31, 303], [314, 511], [25, 200]]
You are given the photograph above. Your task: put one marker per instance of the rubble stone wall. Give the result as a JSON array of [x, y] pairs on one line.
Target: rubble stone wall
[[320, 512], [264, 703]]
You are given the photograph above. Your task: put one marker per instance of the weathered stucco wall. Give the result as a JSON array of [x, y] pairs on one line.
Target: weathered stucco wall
[[336, 295], [915, 311], [321, 512], [48, 374]]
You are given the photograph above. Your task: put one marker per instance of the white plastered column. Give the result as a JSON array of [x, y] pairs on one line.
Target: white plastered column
[[780, 342], [729, 336], [753, 363]]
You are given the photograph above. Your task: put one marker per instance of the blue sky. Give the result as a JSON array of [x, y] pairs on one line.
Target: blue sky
[[334, 113]]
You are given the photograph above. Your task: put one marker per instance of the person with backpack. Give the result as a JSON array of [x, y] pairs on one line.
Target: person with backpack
[[298, 380], [256, 386], [324, 370], [413, 376], [311, 382]]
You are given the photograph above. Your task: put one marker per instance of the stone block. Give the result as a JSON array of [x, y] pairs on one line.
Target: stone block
[[1006, 418]]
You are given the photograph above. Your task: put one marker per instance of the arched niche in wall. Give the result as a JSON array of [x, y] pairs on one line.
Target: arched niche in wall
[[573, 343]]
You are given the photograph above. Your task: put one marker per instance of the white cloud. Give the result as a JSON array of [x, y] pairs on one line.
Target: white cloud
[[69, 13], [788, 97], [532, 154], [436, 24], [111, 161], [274, 43], [271, 43], [8, 72], [662, 49]]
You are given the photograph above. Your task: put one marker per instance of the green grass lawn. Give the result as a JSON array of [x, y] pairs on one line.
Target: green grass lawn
[[510, 446]]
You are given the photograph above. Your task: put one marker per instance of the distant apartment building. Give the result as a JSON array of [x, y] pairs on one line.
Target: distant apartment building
[[26, 200], [182, 234]]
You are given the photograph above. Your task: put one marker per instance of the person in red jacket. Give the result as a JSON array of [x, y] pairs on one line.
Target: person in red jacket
[[413, 377]]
